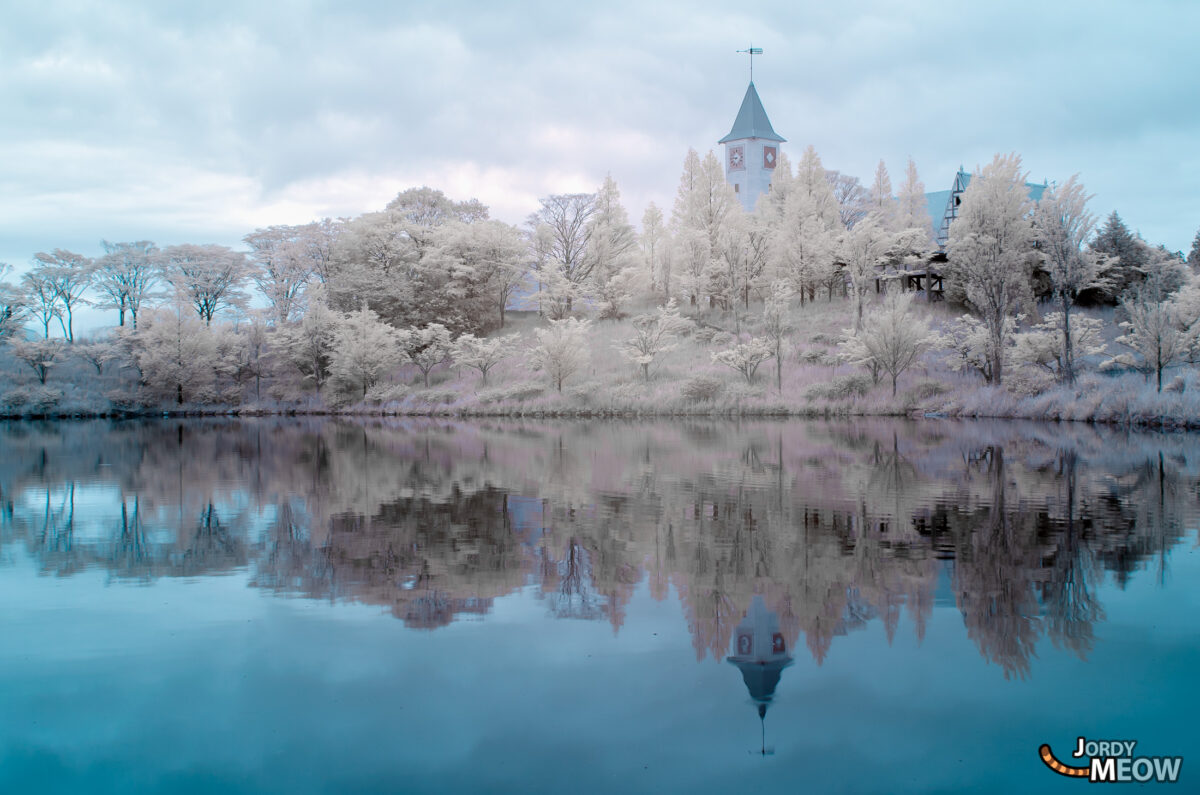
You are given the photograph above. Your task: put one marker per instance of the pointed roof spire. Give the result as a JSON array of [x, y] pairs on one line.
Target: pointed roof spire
[[752, 121]]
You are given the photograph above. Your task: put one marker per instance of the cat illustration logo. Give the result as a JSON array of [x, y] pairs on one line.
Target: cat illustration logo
[[1112, 761]]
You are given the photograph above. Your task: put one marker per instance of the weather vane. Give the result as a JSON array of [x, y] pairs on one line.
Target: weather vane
[[752, 51]]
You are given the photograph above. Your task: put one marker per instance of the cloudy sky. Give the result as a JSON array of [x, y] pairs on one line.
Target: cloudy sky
[[197, 122]]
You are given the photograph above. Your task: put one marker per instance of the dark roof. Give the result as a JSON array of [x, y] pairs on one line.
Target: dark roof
[[752, 121]]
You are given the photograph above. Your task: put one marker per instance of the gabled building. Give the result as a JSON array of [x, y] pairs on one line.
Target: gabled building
[[943, 204], [751, 151]]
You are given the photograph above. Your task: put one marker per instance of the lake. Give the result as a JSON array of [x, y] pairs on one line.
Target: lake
[[320, 605]]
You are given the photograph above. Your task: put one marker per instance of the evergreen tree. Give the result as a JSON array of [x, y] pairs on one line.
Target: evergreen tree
[[912, 208], [703, 206], [654, 244], [883, 206], [1127, 257], [1193, 259]]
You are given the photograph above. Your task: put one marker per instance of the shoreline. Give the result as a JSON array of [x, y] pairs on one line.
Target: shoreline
[[1158, 422]]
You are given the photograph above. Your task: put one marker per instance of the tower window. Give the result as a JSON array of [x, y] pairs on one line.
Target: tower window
[[737, 188]]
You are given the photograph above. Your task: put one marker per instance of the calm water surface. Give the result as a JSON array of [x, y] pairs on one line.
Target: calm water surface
[[327, 606]]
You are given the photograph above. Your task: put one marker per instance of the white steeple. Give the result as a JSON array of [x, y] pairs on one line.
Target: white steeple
[[751, 150]]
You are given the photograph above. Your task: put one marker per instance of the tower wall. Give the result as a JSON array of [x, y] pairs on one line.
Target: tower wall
[[753, 178]]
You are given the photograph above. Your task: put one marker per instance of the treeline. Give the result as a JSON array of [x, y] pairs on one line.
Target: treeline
[[339, 311]]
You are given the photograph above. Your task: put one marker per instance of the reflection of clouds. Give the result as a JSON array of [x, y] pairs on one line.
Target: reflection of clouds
[[833, 525]]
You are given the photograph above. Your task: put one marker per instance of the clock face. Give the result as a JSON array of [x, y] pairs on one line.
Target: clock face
[[769, 155], [737, 158]]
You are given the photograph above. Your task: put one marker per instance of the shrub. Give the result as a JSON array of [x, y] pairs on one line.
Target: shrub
[[816, 356], [32, 399], [740, 392], [701, 388], [927, 388], [386, 393], [841, 387], [435, 397], [516, 393], [722, 339], [1027, 382]]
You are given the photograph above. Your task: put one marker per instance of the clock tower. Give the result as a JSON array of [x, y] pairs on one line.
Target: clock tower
[[751, 151]]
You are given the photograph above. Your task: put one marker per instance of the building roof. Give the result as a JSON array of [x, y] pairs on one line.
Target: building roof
[[943, 205], [752, 121]]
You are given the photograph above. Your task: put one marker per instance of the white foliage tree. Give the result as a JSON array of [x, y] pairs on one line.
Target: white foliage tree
[[614, 273], [988, 249], [176, 355], [365, 350], [283, 264], [882, 205], [1160, 332], [653, 335], [969, 343], [892, 339], [777, 325], [1062, 225], [860, 250], [209, 277], [126, 276], [482, 354], [561, 349], [70, 275], [806, 234], [1042, 345], [655, 243], [40, 298], [745, 357], [13, 307], [704, 206], [38, 355], [309, 344], [426, 347], [912, 209]]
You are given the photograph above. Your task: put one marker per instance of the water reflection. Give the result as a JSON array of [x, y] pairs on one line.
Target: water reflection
[[760, 653], [786, 530]]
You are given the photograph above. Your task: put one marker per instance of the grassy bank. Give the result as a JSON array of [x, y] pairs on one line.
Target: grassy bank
[[684, 382]]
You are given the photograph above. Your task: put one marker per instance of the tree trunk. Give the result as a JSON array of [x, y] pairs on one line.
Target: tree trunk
[[1068, 344], [893, 385]]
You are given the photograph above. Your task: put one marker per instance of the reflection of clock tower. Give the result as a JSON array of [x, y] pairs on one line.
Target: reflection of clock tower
[[751, 151]]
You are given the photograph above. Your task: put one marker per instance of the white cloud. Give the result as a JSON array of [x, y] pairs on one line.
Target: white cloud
[[206, 120]]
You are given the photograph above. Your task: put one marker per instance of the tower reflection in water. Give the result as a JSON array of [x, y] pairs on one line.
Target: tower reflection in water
[[760, 653]]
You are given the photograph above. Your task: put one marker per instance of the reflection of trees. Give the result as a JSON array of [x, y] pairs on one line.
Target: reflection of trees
[[834, 525], [997, 560]]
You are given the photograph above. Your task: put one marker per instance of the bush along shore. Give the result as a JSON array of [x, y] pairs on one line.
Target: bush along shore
[[691, 379]]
